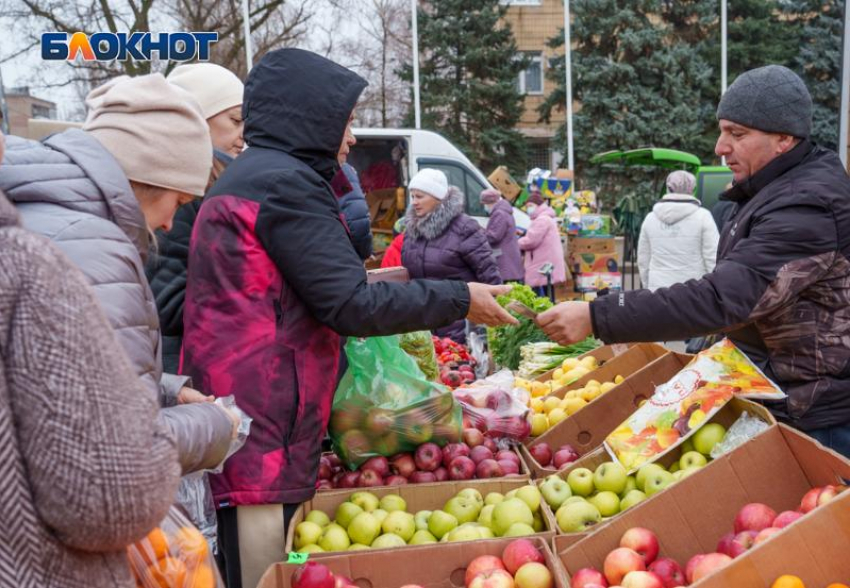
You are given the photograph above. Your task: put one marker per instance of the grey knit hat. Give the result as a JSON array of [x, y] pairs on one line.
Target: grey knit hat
[[772, 99]]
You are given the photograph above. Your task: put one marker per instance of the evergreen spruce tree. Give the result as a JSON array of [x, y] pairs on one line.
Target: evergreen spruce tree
[[469, 66]]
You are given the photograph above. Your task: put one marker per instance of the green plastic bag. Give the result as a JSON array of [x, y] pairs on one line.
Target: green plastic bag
[[420, 346], [385, 405]]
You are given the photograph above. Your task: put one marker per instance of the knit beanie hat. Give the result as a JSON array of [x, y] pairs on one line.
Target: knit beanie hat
[[772, 99], [681, 182], [490, 196], [154, 129], [535, 198], [214, 88], [430, 181]]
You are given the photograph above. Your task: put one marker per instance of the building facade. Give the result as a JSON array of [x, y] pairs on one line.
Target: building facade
[[21, 106]]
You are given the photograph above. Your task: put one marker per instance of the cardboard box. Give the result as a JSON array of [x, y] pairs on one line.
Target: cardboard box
[[599, 245], [418, 497], [504, 183], [595, 226], [644, 366], [776, 468], [441, 565], [584, 263], [594, 282]]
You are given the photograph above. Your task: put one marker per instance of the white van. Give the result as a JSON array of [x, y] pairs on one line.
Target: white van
[[390, 157]]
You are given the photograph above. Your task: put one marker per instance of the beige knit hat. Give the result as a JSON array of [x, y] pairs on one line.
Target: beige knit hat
[[154, 129], [215, 88]]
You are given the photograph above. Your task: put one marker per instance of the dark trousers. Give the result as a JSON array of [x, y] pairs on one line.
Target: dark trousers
[[836, 438]]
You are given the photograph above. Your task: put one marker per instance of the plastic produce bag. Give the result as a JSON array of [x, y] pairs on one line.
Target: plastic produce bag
[[385, 405], [174, 555], [478, 349], [420, 347], [741, 431], [496, 407]]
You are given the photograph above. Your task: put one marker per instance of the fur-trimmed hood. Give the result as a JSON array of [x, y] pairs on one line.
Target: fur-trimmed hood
[[434, 224]]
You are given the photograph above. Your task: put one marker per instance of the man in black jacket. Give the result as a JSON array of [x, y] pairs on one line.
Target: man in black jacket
[[781, 288]]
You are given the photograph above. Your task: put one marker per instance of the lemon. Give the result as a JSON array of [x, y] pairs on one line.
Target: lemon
[[607, 386], [618, 379], [551, 403], [573, 405], [556, 416], [539, 425]]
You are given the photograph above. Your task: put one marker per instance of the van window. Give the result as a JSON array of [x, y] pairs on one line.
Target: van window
[[711, 185], [461, 177]]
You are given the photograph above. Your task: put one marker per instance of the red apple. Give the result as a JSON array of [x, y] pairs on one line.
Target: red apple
[[734, 544], [312, 575], [765, 534], [642, 580], [428, 457], [542, 453], [669, 571], [588, 578], [395, 480], [479, 454], [482, 563], [489, 468], [343, 582], [492, 579], [325, 471], [692, 565], [405, 586], [754, 517], [509, 467], [441, 474], [337, 477], [725, 543], [507, 454], [349, 480], [473, 437], [564, 457], [370, 479], [324, 485], [418, 477], [520, 552], [453, 450], [334, 460], [461, 468], [379, 464], [816, 497], [403, 464], [710, 564], [643, 541], [620, 562], [490, 444], [499, 400], [785, 518]]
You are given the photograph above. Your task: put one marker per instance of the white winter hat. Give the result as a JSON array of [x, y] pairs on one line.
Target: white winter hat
[[432, 182], [214, 88]]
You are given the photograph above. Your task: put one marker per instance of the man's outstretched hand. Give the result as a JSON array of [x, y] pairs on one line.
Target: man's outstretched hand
[[566, 323], [483, 308]]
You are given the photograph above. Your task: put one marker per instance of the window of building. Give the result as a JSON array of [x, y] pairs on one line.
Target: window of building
[[530, 80], [40, 111], [539, 154]]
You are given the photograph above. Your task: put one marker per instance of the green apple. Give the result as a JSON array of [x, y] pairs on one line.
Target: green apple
[[519, 530], [318, 517], [486, 532], [473, 494], [606, 502], [345, 513], [421, 520], [364, 528], [421, 538], [674, 467], [573, 499], [307, 533], [505, 514], [334, 538], [388, 540], [581, 482], [578, 516], [392, 502], [678, 475], [555, 491], [463, 508], [440, 523], [485, 517], [400, 523], [312, 548], [365, 500], [657, 482], [531, 496], [610, 477], [644, 471], [687, 446], [493, 498], [692, 459], [380, 514], [511, 494], [537, 524], [464, 533], [631, 499], [707, 437], [631, 484], [689, 472], [358, 547]]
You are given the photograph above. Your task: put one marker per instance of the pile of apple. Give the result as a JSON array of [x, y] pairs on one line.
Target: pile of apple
[[455, 363], [494, 412], [366, 522], [545, 457], [456, 461], [551, 410], [521, 566]]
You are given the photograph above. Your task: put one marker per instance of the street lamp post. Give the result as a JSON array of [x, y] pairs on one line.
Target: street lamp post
[[246, 24], [844, 115], [417, 108], [568, 67]]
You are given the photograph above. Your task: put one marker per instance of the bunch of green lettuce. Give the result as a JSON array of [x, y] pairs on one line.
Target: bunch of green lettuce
[[506, 342]]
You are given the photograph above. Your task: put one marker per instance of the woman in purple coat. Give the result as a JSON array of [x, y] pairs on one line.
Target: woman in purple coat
[[443, 243], [501, 234]]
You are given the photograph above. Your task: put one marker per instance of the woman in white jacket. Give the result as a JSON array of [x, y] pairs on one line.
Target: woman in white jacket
[[678, 239]]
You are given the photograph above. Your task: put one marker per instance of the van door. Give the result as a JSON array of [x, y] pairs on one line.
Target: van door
[[459, 175]]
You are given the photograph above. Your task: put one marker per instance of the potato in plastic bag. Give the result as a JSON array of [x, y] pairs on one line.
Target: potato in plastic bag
[[174, 555]]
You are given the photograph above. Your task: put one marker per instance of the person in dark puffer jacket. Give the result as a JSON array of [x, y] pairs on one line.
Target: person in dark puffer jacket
[[441, 242], [355, 211], [781, 287]]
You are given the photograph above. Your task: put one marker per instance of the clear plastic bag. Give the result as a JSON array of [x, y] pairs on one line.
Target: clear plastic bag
[[385, 405], [496, 407], [174, 555], [477, 340], [741, 431], [420, 346]]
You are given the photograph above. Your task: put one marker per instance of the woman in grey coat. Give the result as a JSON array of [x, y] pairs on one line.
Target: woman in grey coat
[[97, 193]]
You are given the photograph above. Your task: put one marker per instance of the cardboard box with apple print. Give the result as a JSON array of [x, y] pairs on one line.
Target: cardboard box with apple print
[[777, 468], [418, 497], [433, 566], [643, 366]]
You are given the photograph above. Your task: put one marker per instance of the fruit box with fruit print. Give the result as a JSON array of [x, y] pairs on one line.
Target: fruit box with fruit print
[[680, 406]]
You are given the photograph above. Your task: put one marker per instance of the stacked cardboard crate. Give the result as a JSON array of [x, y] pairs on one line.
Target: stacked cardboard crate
[[592, 257]]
